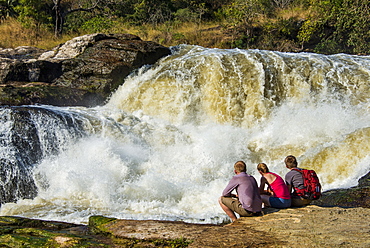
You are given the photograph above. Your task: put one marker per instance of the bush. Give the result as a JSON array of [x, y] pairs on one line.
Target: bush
[[97, 24], [339, 26]]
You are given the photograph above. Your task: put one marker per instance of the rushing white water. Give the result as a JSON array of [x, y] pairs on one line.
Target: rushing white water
[[164, 146]]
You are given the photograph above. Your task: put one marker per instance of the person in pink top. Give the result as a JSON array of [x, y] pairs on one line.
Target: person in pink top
[[277, 194]]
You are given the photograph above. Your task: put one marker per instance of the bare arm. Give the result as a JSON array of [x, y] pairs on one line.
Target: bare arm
[[262, 187], [289, 188]]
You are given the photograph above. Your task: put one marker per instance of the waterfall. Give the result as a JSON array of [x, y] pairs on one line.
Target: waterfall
[[164, 145]]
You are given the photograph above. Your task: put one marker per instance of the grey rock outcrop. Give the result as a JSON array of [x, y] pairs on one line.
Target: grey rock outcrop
[[358, 196], [83, 71]]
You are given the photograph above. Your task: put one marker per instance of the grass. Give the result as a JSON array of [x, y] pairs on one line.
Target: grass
[[172, 33], [167, 34], [297, 12], [13, 34], [206, 34]]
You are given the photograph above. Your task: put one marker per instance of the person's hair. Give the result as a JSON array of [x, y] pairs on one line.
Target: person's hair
[[291, 162], [240, 166], [263, 168]]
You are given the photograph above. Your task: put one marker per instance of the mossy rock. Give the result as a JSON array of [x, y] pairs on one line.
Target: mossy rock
[[11, 220], [23, 232], [97, 224], [7, 229], [13, 240], [29, 240], [35, 223], [352, 197], [364, 181]]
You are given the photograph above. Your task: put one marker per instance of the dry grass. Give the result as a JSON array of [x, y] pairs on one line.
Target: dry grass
[[213, 35], [13, 34], [207, 34], [295, 12]]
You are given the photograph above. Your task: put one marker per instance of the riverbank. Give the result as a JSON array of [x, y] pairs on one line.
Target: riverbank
[[310, 226]]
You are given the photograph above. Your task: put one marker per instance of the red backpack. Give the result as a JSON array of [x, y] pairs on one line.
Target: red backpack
[[312, 186]]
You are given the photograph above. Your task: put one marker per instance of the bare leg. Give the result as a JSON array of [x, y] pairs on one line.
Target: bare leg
[[227, 210], [265, 200]]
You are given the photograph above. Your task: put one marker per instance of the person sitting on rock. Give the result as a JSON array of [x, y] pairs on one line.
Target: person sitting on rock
[[294, 179], [247, 201], [277, 194]]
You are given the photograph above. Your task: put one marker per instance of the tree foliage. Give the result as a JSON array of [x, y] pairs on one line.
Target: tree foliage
[[63, 8], [34, 12], [338, 26], [332, 26], [7, 9]]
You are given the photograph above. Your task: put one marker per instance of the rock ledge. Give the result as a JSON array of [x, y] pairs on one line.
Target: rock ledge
[[310, 226]]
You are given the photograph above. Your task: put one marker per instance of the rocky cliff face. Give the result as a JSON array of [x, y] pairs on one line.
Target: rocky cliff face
[[83, 71]]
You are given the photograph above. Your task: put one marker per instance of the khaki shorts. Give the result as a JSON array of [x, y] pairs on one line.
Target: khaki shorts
[[235, 205]]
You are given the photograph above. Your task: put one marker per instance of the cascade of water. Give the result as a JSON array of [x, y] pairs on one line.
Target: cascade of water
[[29, 134], [242, 87]]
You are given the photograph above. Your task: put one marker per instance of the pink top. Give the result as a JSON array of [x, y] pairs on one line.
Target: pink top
[[279, 187]]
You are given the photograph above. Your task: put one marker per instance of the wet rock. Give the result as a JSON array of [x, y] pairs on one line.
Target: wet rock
[[352, 197], [358, 196], [43, 93], [81, 72], [97, 224], [27, 142], [364, 181], [24, 232]]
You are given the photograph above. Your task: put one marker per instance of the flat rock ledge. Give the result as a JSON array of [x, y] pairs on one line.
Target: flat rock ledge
[[310, 226]]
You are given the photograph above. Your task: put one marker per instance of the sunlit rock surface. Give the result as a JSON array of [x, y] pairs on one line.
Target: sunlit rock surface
[[310, 226], [83, 71]]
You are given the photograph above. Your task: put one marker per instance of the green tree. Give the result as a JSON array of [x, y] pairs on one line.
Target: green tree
[[33, 12], [97, 24], [7, 8], [152, 11], [338, 26], [63, 8], [55, 12]]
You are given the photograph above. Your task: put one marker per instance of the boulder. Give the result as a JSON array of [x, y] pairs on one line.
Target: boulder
[[81, 72], [358, 196]]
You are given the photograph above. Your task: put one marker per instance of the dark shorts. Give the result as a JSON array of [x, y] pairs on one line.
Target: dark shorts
[[235, 205], [279, 202], [299, 201]]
